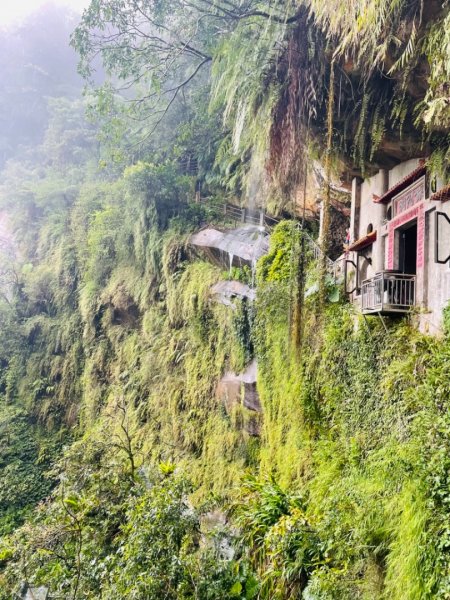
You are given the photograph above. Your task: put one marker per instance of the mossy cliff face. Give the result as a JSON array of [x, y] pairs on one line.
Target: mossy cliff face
[[345, 493], [123, 474], [118, 348], [162, 359], [356, 422]]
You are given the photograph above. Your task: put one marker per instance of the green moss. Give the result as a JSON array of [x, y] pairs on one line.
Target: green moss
[[344, 424], [355, 428]]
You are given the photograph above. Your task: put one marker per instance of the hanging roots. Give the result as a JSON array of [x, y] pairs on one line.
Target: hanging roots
[[325, 237]]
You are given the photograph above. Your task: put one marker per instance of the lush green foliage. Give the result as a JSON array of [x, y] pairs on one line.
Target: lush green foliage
[[116, 455], [104, 536], [349, 424], [270, 77], [109, 334]]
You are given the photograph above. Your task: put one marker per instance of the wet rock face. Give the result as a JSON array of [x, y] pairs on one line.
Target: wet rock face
[[124, 310], [253, 426], [240, 390], [34, 593], [217, 534], [227, 291], [235, 248]]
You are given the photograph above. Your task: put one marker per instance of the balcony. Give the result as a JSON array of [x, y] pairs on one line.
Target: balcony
[[388, 292]]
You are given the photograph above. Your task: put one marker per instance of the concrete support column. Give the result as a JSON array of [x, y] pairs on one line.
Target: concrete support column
[[355, 209], [379, 248]]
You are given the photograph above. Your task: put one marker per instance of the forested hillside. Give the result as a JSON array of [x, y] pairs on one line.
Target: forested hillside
[[124, 473]]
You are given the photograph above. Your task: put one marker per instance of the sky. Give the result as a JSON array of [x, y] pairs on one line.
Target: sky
[[14, 10]]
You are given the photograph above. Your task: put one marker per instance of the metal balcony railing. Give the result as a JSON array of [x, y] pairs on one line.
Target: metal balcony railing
[[388, 292]]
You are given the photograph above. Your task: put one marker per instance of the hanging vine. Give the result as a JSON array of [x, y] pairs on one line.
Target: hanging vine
[[297, 305], [299, 75], [325, 233]]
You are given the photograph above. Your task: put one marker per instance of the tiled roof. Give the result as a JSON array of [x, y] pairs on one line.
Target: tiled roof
[[363, 242], [442, 194], [402, 184]]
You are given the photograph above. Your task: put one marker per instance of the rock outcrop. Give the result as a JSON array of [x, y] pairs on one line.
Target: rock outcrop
[[227, 291], [232, 248], [236, 390]]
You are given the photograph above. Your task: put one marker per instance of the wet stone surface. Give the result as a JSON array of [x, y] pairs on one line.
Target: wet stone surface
[[227, 291], [233, 248], [240, 390]]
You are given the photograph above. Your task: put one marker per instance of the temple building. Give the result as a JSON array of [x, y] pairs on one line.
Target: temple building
[[398, 256]]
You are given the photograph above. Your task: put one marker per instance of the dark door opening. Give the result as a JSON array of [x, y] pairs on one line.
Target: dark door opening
[[408, 249]]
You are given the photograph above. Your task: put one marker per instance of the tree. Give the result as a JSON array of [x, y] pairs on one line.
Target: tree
[[36, 62], [153, 51]]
